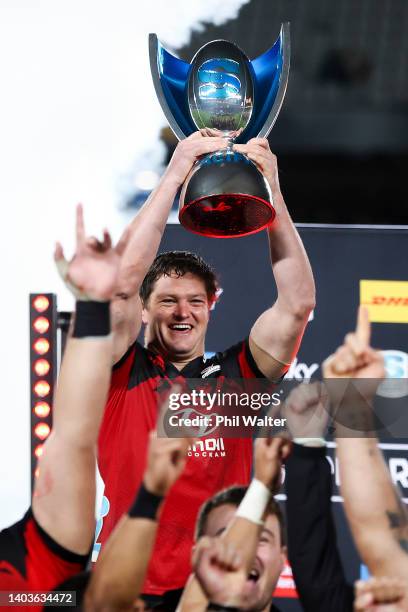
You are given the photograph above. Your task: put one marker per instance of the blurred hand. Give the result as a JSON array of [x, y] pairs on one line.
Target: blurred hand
[[269, 456], [381, 594], [166, 459], [93, 271], [219, 569], [306, 410], [189, 150], [355, 359], [258, 151]]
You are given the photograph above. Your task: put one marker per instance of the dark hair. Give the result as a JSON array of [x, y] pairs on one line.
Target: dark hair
[[179, 263], [234, 496]]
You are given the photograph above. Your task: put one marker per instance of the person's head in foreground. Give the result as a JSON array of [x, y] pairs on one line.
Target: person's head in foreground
[[177, 294], [216, 514]]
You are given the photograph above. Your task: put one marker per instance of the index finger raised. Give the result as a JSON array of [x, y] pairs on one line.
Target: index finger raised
[[363, 328], [80, 226]]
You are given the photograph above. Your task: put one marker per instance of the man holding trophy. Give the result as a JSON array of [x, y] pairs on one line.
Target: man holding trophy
[[221, 107]]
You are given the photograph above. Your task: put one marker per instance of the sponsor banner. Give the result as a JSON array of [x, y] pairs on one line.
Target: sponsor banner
[[386, 300]]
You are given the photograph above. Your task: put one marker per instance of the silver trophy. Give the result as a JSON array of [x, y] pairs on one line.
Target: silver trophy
[[224, 93]]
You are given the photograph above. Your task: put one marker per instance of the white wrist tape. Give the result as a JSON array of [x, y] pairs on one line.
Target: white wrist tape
[[62, 267], [316, 442], [254, 503]]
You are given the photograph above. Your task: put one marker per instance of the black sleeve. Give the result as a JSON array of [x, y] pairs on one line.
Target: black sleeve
[[312, 544]]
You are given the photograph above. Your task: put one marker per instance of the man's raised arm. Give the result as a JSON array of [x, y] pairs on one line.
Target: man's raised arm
[[144, 234], [276, 335], [378, 518], [64, 495]]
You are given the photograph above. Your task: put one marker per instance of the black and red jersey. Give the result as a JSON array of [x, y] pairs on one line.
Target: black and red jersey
[[213, 464], [30, 560]]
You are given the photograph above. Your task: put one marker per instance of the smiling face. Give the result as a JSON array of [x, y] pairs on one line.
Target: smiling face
[[269, 559], [176, 317]]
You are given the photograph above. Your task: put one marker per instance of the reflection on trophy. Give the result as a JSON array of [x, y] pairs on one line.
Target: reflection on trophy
[[223, 92]]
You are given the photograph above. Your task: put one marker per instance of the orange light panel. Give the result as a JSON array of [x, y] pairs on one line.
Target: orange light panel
[[37, 473], [41, 325], [41, 303], [42, 410], [42, 430], [42, 367], [38, 451], [41, 346], [42, 388]]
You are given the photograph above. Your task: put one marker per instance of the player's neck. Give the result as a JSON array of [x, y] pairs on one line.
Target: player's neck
[[178, 361]]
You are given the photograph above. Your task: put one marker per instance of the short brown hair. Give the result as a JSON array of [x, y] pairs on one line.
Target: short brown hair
[[179, 263], [234, 496]]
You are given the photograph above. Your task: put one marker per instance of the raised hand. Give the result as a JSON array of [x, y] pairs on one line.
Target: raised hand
[[306, 410], [93, 270], [258, 151], [166, 459], [355, 358], [219, 568], [270, 453], [189, 150]]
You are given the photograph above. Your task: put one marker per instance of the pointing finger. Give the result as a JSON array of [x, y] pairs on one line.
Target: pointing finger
[[363, 329], [80, 227]]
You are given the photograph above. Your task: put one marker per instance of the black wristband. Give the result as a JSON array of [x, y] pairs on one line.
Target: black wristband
[[145, 505], [220, 608], [92, 319]]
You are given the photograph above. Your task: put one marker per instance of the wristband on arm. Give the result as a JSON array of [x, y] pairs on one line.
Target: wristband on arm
[[92, 319], [254, 503], [145, 505]]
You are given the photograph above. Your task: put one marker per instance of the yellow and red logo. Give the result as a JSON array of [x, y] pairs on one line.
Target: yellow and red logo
[[387, 301]]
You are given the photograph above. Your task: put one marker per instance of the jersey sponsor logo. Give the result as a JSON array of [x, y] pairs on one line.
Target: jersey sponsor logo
[[301, 371], [387, 301], [210, 370], [396, 383], [211, 447]]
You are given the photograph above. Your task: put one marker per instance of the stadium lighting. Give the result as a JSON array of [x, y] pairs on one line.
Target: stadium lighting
[[42, 410], [41, 325], [43, 369], [42, 430], [41, 303]]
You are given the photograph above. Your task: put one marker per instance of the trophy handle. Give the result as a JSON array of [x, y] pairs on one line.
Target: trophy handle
[[271, 76], [169, 75]]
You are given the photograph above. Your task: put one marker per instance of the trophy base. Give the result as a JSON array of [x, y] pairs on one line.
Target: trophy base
[[227, 215], [225, 196]]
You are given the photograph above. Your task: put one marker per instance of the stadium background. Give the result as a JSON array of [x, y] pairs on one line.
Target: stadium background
[[80, 122]]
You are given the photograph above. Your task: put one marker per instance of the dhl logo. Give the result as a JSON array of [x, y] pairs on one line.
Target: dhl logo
[[387, 301]]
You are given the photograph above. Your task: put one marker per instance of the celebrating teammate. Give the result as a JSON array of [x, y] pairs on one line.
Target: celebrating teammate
[[53, 540], [241, 545], [376, 513], [176, 294]]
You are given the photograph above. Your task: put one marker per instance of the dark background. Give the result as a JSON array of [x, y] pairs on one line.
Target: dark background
[[341, 136]]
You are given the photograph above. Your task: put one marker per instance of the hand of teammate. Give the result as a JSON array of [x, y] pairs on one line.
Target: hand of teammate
[[356, 359], [219, 569], [188, 151], [381, 594], [306, 410], [166, 459], [270, 453], [258, 151], [93, 271]]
